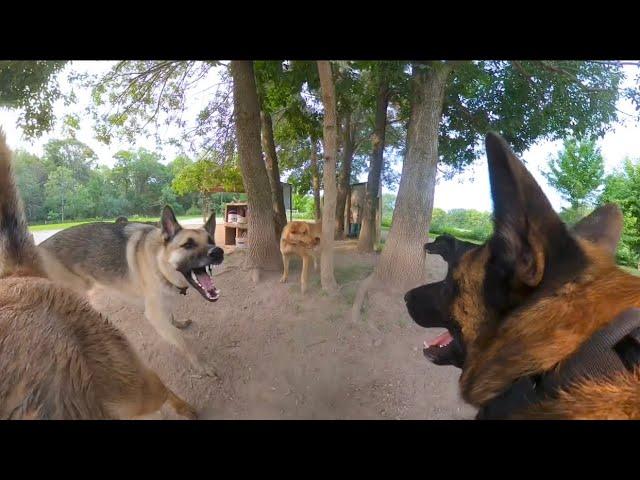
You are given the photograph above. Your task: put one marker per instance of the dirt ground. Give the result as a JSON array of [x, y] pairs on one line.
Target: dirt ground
[[281, 355]]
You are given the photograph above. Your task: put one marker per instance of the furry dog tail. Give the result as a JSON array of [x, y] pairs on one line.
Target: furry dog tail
[[18, 254]]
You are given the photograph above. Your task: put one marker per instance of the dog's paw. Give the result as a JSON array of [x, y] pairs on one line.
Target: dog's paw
[[283, 279], [180, 324], [188, 412]]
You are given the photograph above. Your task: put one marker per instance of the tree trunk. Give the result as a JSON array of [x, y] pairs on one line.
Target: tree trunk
[[273, 170], [315, 178], [348, 148], [205, 207], [327, 278], [263, 252], [402, 262], [368, 231]]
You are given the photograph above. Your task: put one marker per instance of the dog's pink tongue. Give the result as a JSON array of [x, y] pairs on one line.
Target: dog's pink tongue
[[205, 281], [440, 340]]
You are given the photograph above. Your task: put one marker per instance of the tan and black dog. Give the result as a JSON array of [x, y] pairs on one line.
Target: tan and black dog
[[146, 265], [59, 358], [540, 319], [301, 239]]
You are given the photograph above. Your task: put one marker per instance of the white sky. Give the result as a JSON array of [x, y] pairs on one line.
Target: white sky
[[467, 190]]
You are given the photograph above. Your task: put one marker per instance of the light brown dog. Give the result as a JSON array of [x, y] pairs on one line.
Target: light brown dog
[[301, 239], [59, 358]]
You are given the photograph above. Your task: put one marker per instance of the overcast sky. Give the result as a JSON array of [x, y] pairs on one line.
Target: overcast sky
[[467, 190]]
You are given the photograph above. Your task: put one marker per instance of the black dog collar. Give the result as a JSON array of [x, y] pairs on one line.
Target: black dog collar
[[612, 349]]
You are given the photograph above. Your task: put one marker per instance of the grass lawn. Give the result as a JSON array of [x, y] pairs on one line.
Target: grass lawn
[[61, 226]]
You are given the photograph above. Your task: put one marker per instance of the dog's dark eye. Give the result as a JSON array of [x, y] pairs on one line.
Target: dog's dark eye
[[188, 244], [211, 241]]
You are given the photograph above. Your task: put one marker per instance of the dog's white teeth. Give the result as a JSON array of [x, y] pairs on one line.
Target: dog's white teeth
[[193, 275]]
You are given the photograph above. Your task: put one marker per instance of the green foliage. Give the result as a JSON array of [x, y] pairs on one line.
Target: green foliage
[[623, 187], [304, 205], [30, 87], [461, 223], [139, 178], [525, 101], [469, 224], [137, 97], [71, 154], [66, 184], [65, 196], [577, 172], [388, 204], [206, 175], [31, 175]]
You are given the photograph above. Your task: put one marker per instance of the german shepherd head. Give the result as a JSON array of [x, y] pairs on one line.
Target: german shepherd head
[[529, 297], [192, 252]]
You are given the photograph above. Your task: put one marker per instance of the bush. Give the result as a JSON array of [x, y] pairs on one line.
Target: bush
[[304, 205], [193, 211], [461, 223]]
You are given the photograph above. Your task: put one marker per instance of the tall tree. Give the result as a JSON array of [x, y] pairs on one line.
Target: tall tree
[[60, 190], [367, 236], [452, 104], [263, 252], [327, 278], [344, 179], [276, 92], [140, 176], [273, 170], [31, 174], [315, 179], [403, 255], [577, 171], [72, 154]]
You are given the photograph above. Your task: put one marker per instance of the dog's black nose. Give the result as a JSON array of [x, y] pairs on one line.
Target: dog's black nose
[[216, 252]]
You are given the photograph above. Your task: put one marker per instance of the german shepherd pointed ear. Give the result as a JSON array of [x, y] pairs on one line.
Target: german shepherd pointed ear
[[524, 221], [603, 227], [210, 226], [169, 224]]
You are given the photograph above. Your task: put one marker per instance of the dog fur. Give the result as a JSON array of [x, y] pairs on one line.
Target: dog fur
[[301, 239], [146, 265], [59, 358], [526, 300]]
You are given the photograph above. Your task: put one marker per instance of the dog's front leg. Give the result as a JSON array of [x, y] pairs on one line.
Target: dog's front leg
[[162, 320], [285, 268]]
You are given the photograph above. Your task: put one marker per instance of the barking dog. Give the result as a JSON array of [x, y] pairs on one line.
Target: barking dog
[[147, 265], [301, 239], [540, 319], [59, 358]]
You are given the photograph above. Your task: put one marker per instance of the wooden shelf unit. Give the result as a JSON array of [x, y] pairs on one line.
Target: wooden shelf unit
[[232, 230]]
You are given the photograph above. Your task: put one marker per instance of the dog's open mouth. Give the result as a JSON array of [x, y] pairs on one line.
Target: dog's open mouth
[[202, 280], [440, 349]]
